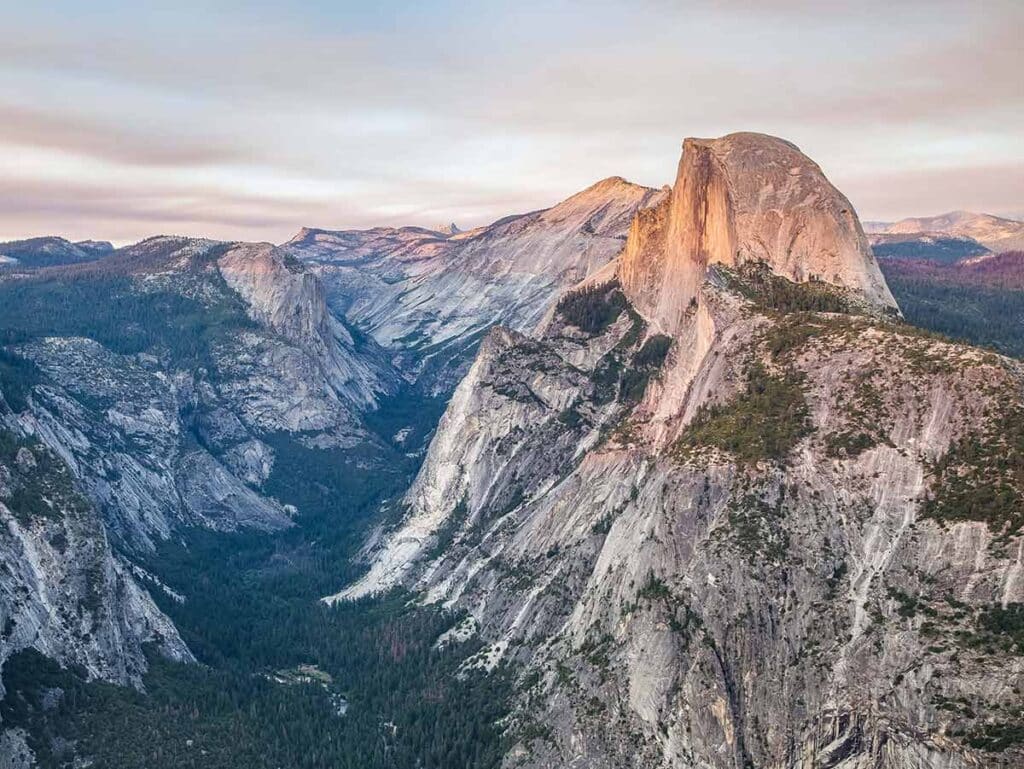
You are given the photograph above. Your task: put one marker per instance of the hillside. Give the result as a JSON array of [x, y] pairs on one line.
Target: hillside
[[979, 300], [727, 509], [34, 253]]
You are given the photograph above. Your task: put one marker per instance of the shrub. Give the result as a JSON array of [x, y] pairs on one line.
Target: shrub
[[647, 360]]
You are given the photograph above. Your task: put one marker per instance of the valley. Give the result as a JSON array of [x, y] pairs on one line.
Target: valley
[[662, 478]]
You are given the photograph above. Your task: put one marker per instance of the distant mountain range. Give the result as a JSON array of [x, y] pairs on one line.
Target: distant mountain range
[[959, 273], [947, 237], [50, 251]]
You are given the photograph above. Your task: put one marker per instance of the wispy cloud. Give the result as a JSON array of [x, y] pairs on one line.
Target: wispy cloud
[[251, 120]]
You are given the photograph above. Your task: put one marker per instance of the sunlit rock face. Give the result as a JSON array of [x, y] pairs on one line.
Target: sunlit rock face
[[745, 197], [712, 508]]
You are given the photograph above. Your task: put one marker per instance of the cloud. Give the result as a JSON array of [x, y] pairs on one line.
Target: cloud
[[264, 117], [74, 134], [994, 189], [80, 210]]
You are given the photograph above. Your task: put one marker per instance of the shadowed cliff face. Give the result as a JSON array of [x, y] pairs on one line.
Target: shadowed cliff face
[[63, 589], [742, 198]]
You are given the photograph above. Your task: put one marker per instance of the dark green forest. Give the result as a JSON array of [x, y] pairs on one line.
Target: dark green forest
[[937, 249], [983, 310]]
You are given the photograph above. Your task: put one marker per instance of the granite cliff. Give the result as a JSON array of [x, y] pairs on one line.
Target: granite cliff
[[726, 509]]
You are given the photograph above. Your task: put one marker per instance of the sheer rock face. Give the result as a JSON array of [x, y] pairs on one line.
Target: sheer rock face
[[674, 602], [428, 298], [288, 298], [745, 197], [63, 590]]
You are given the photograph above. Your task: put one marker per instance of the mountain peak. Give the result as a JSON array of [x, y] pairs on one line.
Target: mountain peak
[[610, 182], [447, 229], [51, 251], [608, 199], [745, 197], [610, 185]]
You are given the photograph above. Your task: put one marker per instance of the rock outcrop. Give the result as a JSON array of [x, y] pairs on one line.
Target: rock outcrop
[[735, 526], [285, 296], [63, 590], [742, 198]]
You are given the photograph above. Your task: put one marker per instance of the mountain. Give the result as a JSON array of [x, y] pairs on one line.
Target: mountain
[[428, 298], [738, 201], [725, 508], [993, 232], [167, 371], [997, 271], [875, 227], [172, 386], [181, 385], [700, 498], [924, 245], [191, 445], [49, 252]]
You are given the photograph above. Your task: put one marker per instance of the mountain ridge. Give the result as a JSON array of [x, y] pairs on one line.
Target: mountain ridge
[[704, 495], [429, 298], [993, 232], [700, 526]]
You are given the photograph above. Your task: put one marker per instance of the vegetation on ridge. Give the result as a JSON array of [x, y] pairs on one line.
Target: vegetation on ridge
[[122, 316], [757, 282], [593, 308], [764, 422], [981, 476]]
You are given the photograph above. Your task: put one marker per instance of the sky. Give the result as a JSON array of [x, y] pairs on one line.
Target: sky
[[250, 120]]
